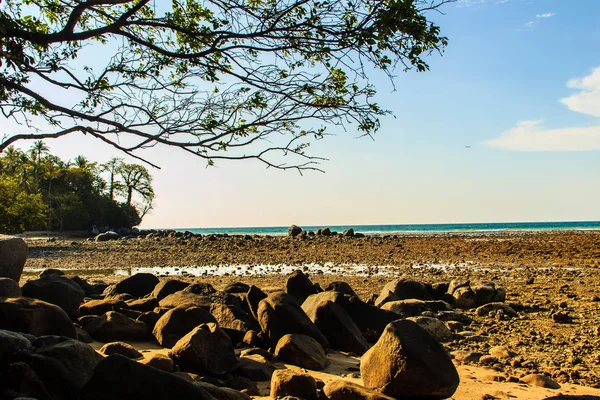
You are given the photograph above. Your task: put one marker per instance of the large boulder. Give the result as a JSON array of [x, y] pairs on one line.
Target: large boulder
[[337, 326], [185, 299], [13, 254], [408, 289], [370, 320], [253, 298], [342, 287], [9, 288], [99, 307], [206, 349], [64, 365], [178, 322], [19, 381], [119, 378], [222, 393], [294, 230], [408, 362], [167, 287], [114, 327], [121, 348], [299, 286], [35, 317], [488, 292], [279, 314], [137, 285], [56, 290], [255, 367], [434, 327], [345, 390], [13, 342], [286, 382], [413, 307], [302, 351], [234, 320]]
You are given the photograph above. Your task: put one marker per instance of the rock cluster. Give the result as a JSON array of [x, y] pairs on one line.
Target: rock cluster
[[397, 336], [44, 354]]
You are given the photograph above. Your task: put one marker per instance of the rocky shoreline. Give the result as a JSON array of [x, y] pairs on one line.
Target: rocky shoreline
[[524, 307]]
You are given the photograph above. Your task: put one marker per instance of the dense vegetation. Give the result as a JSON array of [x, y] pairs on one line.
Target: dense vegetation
[[39, 191]]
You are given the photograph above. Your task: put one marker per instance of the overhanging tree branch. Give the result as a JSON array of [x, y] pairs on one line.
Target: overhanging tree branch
[[221, 79]]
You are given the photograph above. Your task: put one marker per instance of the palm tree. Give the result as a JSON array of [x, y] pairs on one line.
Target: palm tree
[[13, 159], [112, 167]]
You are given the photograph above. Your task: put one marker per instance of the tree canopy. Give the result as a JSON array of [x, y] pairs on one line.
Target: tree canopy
[[221, 79], [40, 191]]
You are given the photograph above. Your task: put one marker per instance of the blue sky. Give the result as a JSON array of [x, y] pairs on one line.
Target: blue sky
[[519, 83]]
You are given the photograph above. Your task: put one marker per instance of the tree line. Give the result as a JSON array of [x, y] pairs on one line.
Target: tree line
[[39, 191]]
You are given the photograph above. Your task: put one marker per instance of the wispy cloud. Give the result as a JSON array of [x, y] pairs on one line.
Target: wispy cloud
[[531, 24], [533, 136], [587, 100], [545, 15]]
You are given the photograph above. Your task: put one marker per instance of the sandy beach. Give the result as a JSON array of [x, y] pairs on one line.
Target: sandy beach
[[543, 274]]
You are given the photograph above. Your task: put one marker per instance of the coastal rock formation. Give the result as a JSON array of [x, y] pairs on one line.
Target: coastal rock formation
[[278, 314], [337, 326], [57, 290], [294, 231], [234, 320], [413, 307], [407, 289], [35, 317], [167, 287], [13, 254], [344, 390], [370, 320], [286, 382], [299, 286], [99, 307], [255, 367], [9, 288], [137, 285], [114, 326], [64, 365], [407, 362], [342, 287], [121, 348], [206, 349], [434, 327], [302, 351], [119, 378], [178, 322]]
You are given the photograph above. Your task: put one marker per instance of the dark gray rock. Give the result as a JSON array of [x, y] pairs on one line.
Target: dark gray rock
[[119, 378], [35, 317], [206, 349], [178, 322], [9, 288], [279, 314], [13, 254], [57, 290]]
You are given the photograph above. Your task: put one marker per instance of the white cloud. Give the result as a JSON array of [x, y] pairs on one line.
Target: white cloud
[[587, 100], [545, 15], [531, 24], [532, 136]]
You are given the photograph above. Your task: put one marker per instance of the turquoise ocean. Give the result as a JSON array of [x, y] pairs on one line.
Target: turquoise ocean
[[411, 228]]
